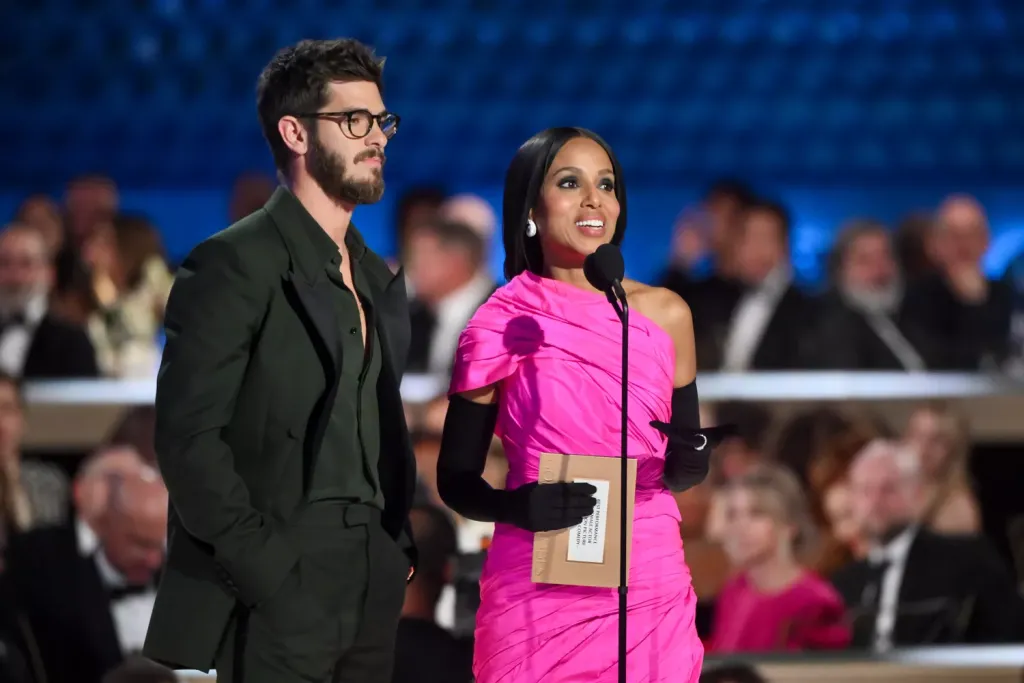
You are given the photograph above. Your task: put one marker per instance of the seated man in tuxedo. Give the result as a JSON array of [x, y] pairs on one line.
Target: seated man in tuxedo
[[447, 265], [89, 597], [916, 587], [35, 343]]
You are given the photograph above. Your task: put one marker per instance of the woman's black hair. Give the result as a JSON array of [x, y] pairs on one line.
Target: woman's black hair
[[523, 182]]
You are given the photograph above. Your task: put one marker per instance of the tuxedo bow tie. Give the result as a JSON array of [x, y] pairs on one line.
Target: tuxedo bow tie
[[122, 592], [12, 320]]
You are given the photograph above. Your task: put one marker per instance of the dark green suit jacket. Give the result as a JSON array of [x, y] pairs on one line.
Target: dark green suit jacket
[[243, 397]]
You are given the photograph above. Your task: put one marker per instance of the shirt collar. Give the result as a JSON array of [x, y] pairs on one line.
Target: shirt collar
[[89, 546], [36, 309], [88, 541], [313, 247], [108, 574], [895, 550], [466, 297]]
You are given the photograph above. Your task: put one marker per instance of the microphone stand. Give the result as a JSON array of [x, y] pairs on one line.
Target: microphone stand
[[617, 297]]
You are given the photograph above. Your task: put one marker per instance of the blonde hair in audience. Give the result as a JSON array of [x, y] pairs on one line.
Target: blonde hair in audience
[[957, 432], [954, 476], [777, 490]]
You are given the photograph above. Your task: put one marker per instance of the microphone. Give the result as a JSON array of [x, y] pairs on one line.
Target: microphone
[[604, 270]]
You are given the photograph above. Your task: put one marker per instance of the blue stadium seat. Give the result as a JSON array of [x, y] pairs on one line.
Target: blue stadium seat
[[788, 88]]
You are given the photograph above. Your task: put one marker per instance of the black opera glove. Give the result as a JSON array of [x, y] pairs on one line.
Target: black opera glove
[[468, 428], [549, 507], [689, 453]]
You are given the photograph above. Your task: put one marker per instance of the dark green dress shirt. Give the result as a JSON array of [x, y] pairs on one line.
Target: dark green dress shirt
[[346, 466]]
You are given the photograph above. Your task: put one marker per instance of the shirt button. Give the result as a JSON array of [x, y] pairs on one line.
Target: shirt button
[[353, 330]]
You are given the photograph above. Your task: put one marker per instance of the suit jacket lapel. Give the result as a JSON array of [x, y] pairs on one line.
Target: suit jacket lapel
[[315, 301], [392, 318], [97, 612]]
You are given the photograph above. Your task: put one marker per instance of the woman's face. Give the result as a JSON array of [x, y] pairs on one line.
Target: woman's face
[[577, 210], [927, 437], [100, 250], [839, 512], [752, 533]]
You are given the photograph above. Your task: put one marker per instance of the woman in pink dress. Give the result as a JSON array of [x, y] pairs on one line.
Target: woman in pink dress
[[773, 603], [540, 366]]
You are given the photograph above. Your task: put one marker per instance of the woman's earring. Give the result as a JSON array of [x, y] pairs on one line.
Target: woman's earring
[[531, 228]]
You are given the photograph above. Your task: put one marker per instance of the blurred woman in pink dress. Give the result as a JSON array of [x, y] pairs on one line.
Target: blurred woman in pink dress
[[773, 603], [540, 366]]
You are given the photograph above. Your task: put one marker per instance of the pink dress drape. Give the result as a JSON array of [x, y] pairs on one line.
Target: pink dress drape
[[555, 353]]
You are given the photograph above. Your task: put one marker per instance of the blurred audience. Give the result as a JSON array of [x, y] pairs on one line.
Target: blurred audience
[[417, 206], [736, 455], [448, 269], [427, 652], [957, 318], [895, 524], [731, 673], [940, 438], [916, 587], [248, 195], [915, 245], [755, 319], [33, 493], [859, 327], [703, 238], [43, 214], [126, 296], [773, 603], [88, 589], [35, 343], [89, 200]]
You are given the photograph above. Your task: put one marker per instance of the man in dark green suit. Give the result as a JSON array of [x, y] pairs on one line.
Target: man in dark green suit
[[280, 429]]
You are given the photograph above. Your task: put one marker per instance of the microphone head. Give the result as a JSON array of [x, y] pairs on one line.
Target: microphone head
[[604, 267]]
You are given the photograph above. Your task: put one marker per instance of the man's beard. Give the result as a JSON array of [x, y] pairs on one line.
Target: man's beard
[[883, 300], [329, 170]]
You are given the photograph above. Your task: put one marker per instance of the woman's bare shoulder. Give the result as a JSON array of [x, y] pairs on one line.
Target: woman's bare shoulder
[[661, 305]]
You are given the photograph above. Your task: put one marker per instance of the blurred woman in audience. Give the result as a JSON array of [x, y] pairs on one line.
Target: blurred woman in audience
[[773, 603], [941, 439], [736, 455], [844, 540], [818, 445], [129, 285]]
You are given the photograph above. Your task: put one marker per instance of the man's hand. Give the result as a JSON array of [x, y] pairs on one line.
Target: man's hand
[[968, 283]]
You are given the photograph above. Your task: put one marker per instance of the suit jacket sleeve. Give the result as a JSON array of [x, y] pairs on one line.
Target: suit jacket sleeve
[[998, 609], [211, 320]]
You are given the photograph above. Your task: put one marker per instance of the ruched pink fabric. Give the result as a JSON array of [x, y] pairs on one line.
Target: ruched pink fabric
[[555, 352]]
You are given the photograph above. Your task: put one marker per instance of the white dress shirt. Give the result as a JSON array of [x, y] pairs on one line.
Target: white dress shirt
[[750, 320], [451, 316], [131, 613], [16, 340], [895, 554]]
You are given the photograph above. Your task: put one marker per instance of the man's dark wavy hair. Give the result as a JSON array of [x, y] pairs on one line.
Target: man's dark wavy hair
[[297, 81]]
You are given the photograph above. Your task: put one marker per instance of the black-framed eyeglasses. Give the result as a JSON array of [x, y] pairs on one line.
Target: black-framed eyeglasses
[[359, 122]]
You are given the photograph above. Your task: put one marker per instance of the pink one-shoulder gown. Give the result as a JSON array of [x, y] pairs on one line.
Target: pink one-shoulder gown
[[555, 352]]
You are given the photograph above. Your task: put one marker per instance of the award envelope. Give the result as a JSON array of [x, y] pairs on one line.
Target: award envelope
[[587, 554]]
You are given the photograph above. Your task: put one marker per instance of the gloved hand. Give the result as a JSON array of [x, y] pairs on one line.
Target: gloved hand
[[694, 439], [687, 460], [549, 507]]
